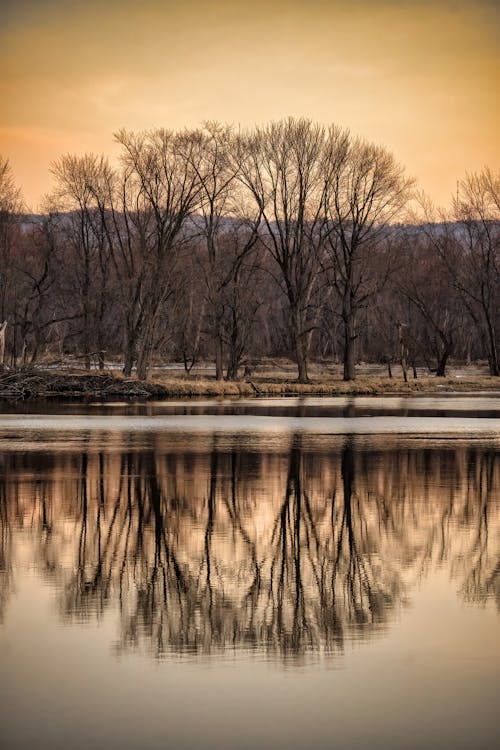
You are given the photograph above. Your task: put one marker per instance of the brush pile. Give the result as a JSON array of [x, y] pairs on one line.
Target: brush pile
[[29, 383]]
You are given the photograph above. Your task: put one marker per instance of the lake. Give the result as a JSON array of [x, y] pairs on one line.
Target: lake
[[262, 573]]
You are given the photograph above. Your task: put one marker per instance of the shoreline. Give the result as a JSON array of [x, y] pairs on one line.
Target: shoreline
[[42, 385]]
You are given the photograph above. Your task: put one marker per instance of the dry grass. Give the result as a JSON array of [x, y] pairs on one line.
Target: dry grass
[[363, 385], [270, 381]]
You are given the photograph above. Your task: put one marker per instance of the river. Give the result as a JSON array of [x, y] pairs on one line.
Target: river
[[262, 573]]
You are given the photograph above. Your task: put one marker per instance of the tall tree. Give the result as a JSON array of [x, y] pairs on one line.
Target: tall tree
[[221, 226], [280, 164], [78, 179], [10, 207], [476, 208], [424, 281], [144, 208], [165, 190], [366, 190], [468, 241]]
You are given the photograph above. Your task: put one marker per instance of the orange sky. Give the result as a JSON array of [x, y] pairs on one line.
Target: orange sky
[[419, 76]]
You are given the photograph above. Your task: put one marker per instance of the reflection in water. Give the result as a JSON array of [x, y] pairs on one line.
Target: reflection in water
[[289, 552]]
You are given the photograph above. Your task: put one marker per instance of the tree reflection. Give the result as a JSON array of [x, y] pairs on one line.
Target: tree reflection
[[479, 565], [290, 551], [6, 581]]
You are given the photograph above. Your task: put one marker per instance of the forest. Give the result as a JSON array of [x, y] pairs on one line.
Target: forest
[[291, 239]]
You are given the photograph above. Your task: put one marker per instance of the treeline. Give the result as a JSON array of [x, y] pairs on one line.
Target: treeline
[[290, 239]]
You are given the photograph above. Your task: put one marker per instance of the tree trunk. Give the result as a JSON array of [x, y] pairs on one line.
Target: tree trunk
[[404, 368], [349, 347], [349, 320], [219, 357], [129, 359], [441, 367], [403, 351], [235, 349], [300, 345], [24, 353], [142, 370], [3, 327], [303, 377], [86, 326], [143, 360], [493, 358], [300, 348], [233, 364]]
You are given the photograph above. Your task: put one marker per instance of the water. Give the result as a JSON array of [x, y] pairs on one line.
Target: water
[[320, 573]]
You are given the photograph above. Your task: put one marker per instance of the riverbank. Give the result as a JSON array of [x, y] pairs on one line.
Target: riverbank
[[75, 385]]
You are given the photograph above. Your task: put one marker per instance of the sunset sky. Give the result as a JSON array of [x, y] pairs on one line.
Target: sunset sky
[[419, 76]]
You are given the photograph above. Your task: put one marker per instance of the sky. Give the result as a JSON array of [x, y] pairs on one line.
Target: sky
[[417, 76]]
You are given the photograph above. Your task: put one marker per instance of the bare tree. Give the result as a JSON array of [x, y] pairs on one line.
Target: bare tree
[[468, 242], [241, 292], [280, 164], [78, 179], [165, 190], [367, 189], [36, 308], [424, 281], [144, 208], [10, 207], [216, 174], [477, 210], [189, 311]]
